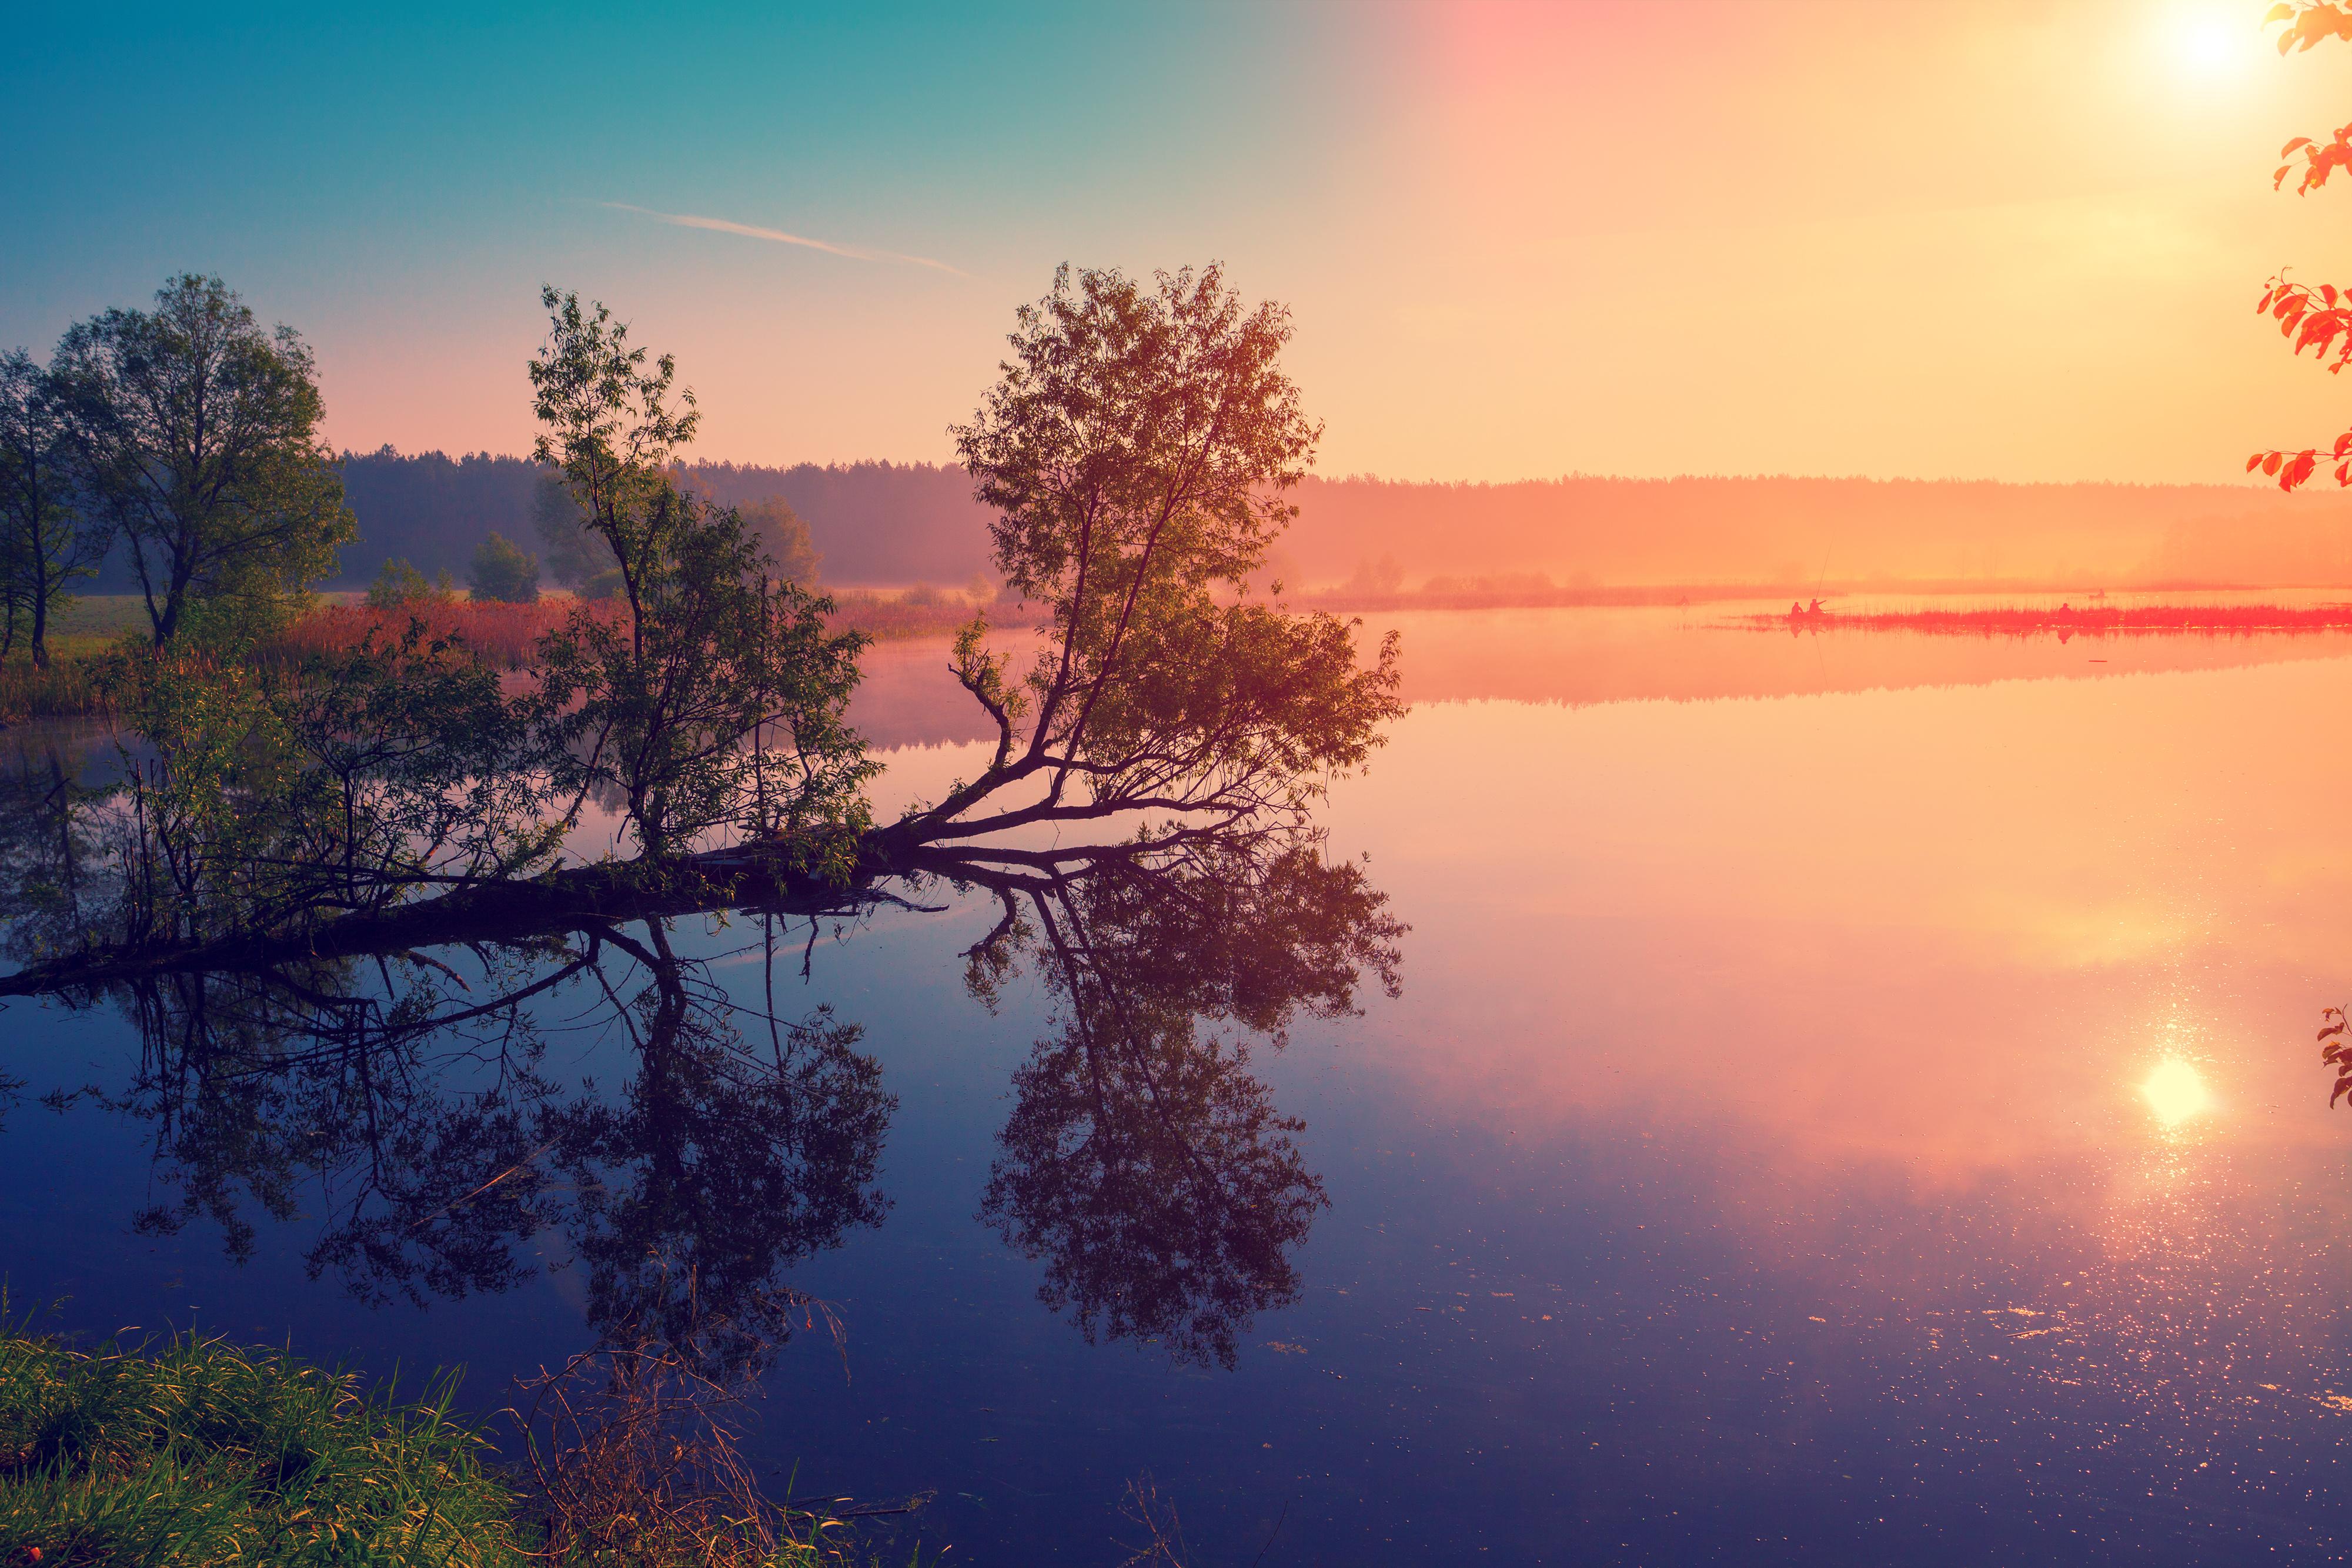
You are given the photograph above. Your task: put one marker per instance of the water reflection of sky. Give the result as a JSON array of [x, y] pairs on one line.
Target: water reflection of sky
[[1762, 1164]]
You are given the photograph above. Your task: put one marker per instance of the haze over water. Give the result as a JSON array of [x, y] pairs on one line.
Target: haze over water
[[1874, 1120]]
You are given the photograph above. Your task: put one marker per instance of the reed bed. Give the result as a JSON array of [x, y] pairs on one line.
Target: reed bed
[[503, 636], [2073, 619], [922, 613], [69, 688], [507, 635]]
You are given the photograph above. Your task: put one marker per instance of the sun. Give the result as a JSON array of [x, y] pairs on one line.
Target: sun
[[2208, 42], [2175, 1092]]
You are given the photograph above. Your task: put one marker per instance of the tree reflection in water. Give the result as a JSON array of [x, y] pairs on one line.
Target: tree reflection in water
[[1144, 1163], [406, 1095]]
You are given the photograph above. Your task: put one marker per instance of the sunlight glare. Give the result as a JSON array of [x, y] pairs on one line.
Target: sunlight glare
[[2208, 42], [2175, 1092]]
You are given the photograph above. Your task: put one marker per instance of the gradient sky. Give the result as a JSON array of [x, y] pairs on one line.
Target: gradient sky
[[1982, 239]]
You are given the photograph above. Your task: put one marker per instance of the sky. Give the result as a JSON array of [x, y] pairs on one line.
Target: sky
[[1983, 239]]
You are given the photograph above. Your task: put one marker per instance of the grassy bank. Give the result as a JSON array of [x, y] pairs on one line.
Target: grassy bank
[[503, 634], [204, 1453]]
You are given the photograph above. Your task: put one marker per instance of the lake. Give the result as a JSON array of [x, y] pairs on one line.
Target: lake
[[1848, 1100]]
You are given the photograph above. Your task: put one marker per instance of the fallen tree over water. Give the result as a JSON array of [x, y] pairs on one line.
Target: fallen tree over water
[[391, 794]]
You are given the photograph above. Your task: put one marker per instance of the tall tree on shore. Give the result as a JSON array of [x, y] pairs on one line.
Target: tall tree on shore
[[196, 433], [1139, 450], [711, 703], [44, 544]]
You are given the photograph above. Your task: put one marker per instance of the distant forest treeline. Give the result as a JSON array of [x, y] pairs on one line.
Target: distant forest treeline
[[877, 523], [872, 522]]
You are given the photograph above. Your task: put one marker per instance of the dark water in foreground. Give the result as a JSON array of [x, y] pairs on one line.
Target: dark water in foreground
[[1759, 1164]]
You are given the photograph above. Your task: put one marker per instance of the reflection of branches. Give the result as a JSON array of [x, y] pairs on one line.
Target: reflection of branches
[[1144, 1163], [443, 1147]]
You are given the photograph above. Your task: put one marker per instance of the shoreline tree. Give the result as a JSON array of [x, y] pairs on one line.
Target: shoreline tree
[[1139, 449], [195, 437], [712, 703], [44, 545], [502, 573], [397, 583]]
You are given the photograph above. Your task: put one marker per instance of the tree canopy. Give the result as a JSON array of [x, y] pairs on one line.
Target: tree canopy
[[45, 543], [503, 573], [196, 436], [713, 703], [1137, 449]]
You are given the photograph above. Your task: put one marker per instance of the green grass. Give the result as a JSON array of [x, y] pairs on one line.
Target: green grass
[[97, 619], [203, 1453], [208, 1454]]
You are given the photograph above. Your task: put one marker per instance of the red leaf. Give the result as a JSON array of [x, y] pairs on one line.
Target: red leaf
[[2271, 461], [2288, 149]]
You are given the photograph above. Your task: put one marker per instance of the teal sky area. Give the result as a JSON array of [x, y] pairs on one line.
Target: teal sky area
[[397, 187], [2013, 239]]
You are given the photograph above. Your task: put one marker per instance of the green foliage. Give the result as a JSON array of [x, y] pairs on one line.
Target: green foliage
[[783, 537], [504, 573], [397, 583], [265, 798], [44, 543], [1138, 440], [1139, 450], [196, 433], [573, 555], [604, 585], [205, 1454], [713, 704]]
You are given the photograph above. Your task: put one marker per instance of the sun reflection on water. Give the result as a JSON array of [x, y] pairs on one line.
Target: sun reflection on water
[[2176, 1092]]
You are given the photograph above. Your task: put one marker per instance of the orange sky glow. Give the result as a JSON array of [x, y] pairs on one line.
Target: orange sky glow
[[1998, 240]]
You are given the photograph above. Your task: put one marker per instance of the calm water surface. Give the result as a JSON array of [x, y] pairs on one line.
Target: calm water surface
[[1759, 1163]]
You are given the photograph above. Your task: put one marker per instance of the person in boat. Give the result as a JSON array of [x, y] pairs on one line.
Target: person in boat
[[1795, 609], [1814, 609]]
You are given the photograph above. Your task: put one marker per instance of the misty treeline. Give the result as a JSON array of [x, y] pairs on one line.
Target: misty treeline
[[1589, 531], [885, 523], [868, 522]]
